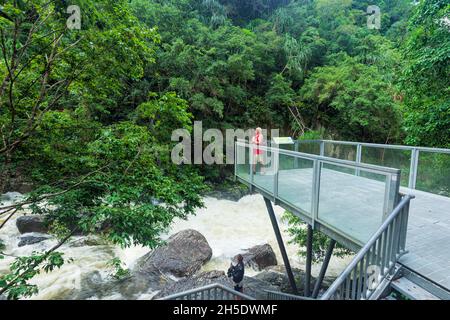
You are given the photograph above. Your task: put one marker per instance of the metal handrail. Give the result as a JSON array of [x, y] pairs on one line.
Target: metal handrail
[[378, 145], [383, 249], [414, 161], [330, 160], [276, 295], [214, 291]]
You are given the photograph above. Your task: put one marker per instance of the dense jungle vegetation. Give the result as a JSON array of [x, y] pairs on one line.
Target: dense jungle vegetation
[[86, 115]]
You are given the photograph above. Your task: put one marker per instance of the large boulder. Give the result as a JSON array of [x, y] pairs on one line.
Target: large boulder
[[260, 257], [31, 239], [27, 224], [182, 256], [252, 287], [36, 223]]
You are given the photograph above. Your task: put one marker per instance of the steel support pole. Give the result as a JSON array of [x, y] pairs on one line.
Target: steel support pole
[[276, 229], [324, 268], [309, 241]]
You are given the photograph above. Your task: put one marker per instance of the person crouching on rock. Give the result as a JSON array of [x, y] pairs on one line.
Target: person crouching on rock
[[236, 272]]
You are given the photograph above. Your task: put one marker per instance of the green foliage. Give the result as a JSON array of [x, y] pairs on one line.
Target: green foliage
[[126, 187], [425, 80], [24, 269], [298, 231], [351, 93], [119, 272], [163, 114], [98, 156], [312, 135]]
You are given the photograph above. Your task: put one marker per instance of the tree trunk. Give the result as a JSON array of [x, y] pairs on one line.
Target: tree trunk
[[5, 173]]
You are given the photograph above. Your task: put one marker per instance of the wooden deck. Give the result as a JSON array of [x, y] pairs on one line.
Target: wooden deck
[[354, 205]]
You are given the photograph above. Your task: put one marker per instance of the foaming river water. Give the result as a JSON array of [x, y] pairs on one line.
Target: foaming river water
[[229, 227]]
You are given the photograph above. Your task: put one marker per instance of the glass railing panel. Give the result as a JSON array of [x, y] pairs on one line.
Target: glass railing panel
[[433, 173], [288, 146], [264, 170], [353, 205], [340, 151], [309, 147], [387, 157], [295, 181], [243, 162]]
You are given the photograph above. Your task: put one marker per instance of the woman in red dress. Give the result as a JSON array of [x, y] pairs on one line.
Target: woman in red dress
[[257, 140]]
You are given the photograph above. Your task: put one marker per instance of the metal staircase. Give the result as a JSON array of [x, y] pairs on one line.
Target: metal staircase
[[215, 291]]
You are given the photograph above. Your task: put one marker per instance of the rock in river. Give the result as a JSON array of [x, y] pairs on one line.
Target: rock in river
[[27, 224], [260, 257], [183, 255], [31, 239]]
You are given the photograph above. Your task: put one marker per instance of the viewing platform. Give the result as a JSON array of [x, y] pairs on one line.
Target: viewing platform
[[348, 190], [388, 204]]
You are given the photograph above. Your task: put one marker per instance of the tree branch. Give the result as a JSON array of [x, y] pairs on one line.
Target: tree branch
[[37, 263]]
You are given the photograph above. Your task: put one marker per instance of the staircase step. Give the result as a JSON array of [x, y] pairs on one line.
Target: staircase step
[[412, 290]]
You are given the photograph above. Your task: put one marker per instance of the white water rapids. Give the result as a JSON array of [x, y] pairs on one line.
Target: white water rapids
[[229, 227]]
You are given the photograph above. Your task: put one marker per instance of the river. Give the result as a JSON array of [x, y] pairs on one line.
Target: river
[[229, 227]]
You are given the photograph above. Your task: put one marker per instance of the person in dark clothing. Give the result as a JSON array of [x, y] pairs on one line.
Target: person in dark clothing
[[236, 272]]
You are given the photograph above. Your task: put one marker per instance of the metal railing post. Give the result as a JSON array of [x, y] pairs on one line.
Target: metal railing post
[[296, 146], [315, 191], [392, 193], [405, 227], [235, 160], [322, 148], [358, 157], [276, 165], [413, 168], [250, 148]]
